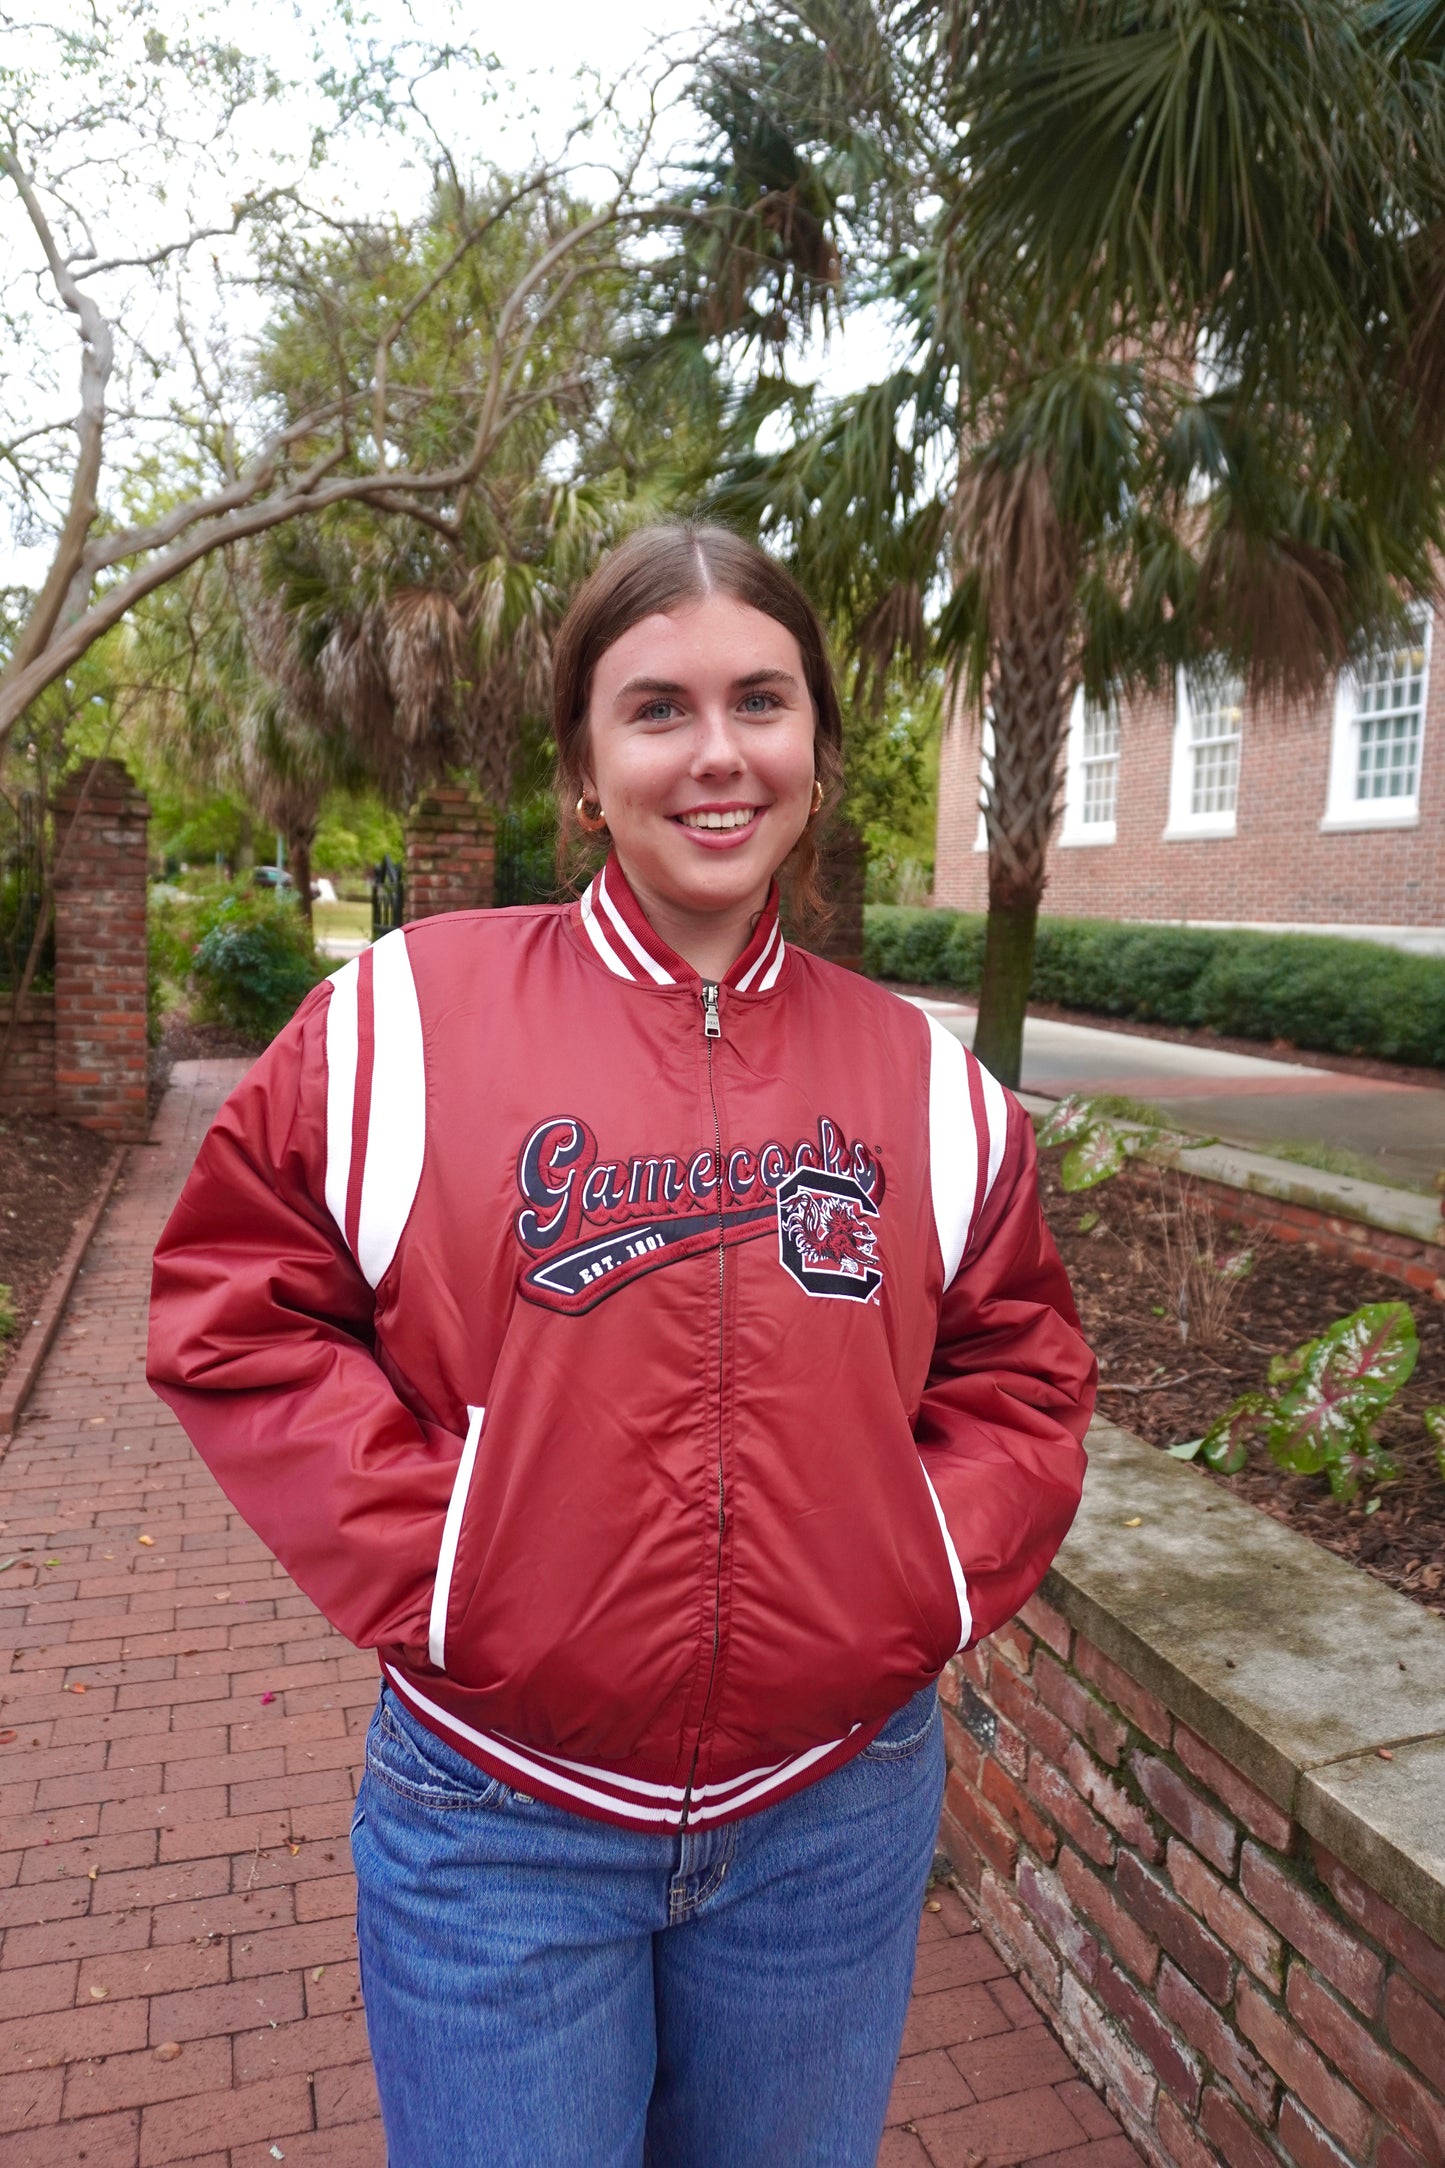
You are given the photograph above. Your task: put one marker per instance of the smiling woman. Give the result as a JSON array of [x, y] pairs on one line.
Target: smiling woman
[[697, 722], [644, 1334]]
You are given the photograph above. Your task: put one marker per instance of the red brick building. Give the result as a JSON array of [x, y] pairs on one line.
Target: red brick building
[[1199, 806]]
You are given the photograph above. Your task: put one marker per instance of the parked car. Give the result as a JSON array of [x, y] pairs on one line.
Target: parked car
[[277, 878]]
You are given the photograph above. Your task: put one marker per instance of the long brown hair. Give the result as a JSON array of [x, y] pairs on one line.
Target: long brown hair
[[653, 571]]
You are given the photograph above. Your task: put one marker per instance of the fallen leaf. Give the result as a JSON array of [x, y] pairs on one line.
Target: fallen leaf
[[76, 1689], [316, 1975], [222, 1595], [98, 1994], [168, 2051], [7, 1738], [145, 1539], [1384, 1753], [294, 1849], [1136, 1522], [52, 1561], [7, 1563], [934, 1905], [266, 1698], [91, 1877]]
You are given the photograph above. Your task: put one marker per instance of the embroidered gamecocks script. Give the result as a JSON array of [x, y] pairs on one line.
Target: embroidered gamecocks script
[[593, 1224]]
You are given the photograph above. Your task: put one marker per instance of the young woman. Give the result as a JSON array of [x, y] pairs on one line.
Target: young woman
[[646, 1337]]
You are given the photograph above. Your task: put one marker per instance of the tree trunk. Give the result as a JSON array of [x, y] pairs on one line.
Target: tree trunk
[[1029, 703], [298, 850], [1008, 969]]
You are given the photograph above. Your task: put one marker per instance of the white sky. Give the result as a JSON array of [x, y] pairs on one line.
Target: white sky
[[554, 52]]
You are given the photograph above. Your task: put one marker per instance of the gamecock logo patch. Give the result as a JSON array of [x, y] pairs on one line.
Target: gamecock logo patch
[[826, 1237]]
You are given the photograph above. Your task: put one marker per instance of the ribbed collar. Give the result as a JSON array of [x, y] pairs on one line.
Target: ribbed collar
[[618, 928]]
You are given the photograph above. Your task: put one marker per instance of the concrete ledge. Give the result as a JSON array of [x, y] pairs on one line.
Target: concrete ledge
[[1295, 1666], [1340, 1196]]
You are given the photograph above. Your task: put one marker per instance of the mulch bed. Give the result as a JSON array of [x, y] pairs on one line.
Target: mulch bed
[[1116, 1242], [49, 1172]]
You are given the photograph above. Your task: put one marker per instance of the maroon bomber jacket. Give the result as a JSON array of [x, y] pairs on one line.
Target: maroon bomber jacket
[[665, 1378]]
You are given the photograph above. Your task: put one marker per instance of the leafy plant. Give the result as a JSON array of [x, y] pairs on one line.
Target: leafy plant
[[1100, 1147], [1316, 990], [1435, 1431], [9, 1322], [1325, 1403], [253, 962]]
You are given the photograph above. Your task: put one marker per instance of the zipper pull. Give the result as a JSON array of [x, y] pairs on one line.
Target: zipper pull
[[711, 1021]]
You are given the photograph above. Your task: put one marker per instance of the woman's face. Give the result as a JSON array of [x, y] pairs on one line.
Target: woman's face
[[700, 754]]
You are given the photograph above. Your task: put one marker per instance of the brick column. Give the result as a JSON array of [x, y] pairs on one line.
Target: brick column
[[450, 854], [100, 951]]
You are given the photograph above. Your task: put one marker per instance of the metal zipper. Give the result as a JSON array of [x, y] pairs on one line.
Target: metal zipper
[[712, 1030]]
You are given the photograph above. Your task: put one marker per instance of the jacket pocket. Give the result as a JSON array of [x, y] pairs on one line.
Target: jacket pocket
[[960, 1586], [908, 1730], [451, 1535]]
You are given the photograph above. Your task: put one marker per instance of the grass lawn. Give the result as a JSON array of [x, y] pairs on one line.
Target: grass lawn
[[351, 921]]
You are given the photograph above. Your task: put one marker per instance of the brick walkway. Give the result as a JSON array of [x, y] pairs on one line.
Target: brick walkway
[[179, 1738]]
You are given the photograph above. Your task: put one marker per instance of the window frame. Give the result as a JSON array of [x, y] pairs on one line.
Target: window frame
[[1074, 830], [1345, 813], [1183, 824]]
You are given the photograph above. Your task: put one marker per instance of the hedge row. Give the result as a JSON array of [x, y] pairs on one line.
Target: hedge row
[[1349, 997]]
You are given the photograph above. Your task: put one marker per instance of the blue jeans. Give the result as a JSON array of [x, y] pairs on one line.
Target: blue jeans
[[545, 1991]]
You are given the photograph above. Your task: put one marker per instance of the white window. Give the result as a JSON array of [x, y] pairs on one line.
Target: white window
[[1378, 739], [1091, 775], [985, 776], [1204, 776]]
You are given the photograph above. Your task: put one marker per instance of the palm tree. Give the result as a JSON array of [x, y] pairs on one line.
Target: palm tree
[[1147, 262]]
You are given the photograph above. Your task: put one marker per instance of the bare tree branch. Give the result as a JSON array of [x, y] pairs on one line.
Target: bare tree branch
[[97, 362]]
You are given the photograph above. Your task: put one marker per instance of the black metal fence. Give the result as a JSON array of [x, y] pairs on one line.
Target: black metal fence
[[22, 887], [526, 861], [388, 898]]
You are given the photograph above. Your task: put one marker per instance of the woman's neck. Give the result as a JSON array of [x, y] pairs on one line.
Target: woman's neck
[[711, 941]]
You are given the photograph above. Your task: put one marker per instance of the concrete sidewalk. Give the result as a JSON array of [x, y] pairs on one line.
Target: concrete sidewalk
[[180, 1738], [1241, 1098]]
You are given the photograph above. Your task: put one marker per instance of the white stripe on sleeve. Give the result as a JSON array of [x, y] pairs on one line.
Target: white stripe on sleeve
[[952, 1145], [341, 1030], [396, 1130], [960, 1586], [451, 1531], [995, 1113]]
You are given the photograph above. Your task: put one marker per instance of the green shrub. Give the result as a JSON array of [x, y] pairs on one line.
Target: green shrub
[[1346, 997], [253, 962]]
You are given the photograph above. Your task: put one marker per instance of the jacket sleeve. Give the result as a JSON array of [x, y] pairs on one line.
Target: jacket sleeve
[[1011, 1386], [261, 1341]]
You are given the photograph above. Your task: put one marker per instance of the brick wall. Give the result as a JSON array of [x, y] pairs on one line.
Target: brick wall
[[1278, 868], [82, 1052], [1242, 1996], [100, 952], [27, 1085], [1417, 1264], [450, 854]]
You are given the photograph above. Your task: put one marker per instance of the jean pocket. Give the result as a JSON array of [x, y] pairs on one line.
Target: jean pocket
[[908, 1730], [403, 1755]]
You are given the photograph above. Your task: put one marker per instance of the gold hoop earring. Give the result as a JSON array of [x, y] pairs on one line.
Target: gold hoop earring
[[590, 816], [817, 796]]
